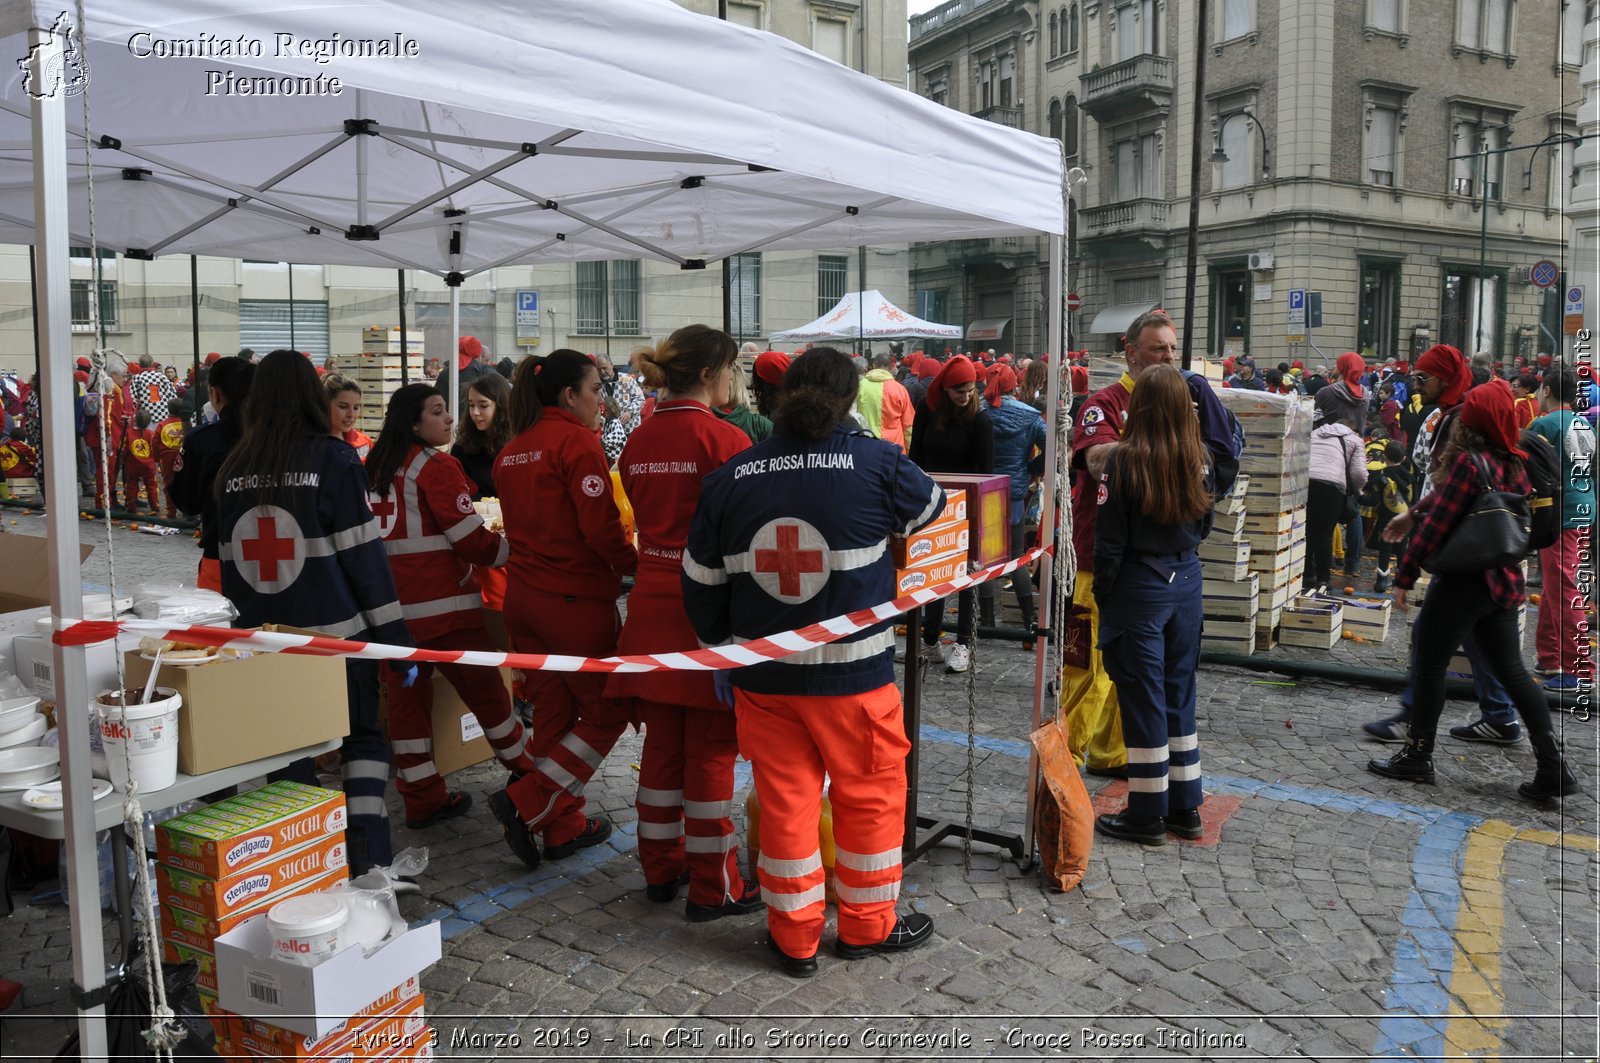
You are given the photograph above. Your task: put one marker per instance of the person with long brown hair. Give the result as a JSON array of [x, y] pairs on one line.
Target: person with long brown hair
[[483, 431], [1154, 508]]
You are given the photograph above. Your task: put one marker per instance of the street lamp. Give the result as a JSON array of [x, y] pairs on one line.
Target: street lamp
[[1218, 155]]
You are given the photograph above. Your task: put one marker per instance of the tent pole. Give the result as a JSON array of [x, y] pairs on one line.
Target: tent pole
[[1045, 684], [33, 293], [861, 299], [455, 357], [405, 361], [292, 345], [727, 299], [194, 326], [49, 128]]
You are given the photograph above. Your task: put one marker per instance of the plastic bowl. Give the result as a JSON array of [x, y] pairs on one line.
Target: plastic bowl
[[17, 712], [27, 766], [26, 735]]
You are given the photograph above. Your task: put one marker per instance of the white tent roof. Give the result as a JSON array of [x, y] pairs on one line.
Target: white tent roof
[[866, 315], [566, 130]]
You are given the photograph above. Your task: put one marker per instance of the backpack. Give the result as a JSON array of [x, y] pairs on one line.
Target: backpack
[[1544, 472]]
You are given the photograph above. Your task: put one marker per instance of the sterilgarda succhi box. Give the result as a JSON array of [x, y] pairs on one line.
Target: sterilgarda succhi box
[[240, 832], [930, 572], [988, 512], [220, 897], [314, 1000], [938, 539]]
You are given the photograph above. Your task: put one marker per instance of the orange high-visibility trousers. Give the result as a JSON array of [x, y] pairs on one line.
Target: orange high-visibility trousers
[[685, 801], [859, 740]]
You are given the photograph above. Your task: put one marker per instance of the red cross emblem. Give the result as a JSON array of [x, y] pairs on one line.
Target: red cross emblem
[[790, 560], [384, 509], [268, 559]]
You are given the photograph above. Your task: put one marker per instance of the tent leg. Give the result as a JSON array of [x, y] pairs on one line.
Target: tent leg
[[49, 124], [1044, 683], [455, 359]]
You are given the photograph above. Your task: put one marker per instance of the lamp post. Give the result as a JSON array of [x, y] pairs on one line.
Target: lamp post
[[1218, 155]]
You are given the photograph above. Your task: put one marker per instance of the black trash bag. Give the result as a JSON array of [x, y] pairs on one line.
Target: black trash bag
[[128, 1017]]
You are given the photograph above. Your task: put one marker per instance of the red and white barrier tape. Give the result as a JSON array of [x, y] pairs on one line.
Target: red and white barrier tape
[[756, 651]]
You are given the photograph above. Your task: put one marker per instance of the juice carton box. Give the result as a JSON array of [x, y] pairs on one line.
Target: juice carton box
[[236, 892], [241, 832]]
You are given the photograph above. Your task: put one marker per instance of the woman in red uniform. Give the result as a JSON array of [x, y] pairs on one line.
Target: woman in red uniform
[[686, 774], [434, 538], [344, 406], [568, 557]]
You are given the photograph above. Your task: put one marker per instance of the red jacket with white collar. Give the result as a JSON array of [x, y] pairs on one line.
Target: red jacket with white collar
[[555, 495], [434, 538]]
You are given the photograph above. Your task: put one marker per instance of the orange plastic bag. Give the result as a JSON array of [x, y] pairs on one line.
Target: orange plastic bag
[[1064, 818]]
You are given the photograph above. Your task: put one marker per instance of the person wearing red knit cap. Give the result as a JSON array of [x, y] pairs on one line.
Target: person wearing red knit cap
[[767, 380], [952, 432], [1482, 454]]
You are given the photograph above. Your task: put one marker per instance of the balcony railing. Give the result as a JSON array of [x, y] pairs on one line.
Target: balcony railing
[[1006, 116], [1143, 81], [945, 15], [1129, 217]]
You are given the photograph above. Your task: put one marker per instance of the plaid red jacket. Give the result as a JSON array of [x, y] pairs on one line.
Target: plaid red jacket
[[1441, 510]]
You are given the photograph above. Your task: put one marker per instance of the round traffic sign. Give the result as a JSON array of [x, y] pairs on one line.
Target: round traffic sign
[[1073, 302], [1544, 274]]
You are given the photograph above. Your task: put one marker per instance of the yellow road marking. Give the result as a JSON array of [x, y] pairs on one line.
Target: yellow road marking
[[1475, 970], [1566, 841]]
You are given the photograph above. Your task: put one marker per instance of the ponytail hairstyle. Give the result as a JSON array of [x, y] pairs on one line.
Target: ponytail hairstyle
[[469, 440], [677, 362], [397, 435], [817, 392], [539, 382], [285, 413]]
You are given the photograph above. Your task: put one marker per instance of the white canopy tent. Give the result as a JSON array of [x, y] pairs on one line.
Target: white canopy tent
[[573, 129], [866, 315]]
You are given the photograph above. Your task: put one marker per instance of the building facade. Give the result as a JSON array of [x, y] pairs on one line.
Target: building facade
[[1352, 152], [600, 307]]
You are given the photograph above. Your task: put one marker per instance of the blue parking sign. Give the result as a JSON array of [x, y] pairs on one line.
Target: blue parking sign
[[527, 301]]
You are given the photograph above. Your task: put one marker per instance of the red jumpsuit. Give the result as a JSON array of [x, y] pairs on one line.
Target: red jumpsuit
[[139, 451], [116, 407], [686, 772], [169, 444], [434, 538], [568, 556]]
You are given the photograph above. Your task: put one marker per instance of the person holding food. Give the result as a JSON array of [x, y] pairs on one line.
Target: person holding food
[[423, 502], [299, 545]]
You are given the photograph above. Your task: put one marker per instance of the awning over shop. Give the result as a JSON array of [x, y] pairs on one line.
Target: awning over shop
[[989, 328], [1114, 320]]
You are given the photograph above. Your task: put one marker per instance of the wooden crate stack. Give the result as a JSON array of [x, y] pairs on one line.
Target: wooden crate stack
[[1230, 591], [1277, 459], [379, 372]]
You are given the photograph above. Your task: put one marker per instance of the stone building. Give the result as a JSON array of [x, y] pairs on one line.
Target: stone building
[[1343, 157], [604, 307]]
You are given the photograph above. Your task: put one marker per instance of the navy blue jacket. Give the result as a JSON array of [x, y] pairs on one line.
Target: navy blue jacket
[[196, 471], [792, 532]]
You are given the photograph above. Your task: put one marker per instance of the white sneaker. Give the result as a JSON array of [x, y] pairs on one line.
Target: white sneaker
[[959, 660]]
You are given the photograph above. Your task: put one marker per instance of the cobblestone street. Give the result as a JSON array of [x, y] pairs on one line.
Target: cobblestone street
[[1341, 915]]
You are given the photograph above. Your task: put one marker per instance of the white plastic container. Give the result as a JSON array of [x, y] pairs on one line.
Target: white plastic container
[[26, 735], [308, 929], [150, 733], [17, 712]]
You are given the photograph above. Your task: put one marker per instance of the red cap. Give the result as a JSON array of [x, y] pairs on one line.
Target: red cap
[[213, 358], [468, 350], [83, 362], [771, 365], [1080, 380], [1002, 382]]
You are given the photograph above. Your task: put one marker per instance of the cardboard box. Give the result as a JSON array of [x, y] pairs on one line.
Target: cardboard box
[[236, 711], [458, 740], [181, 926], [314, 1000], [244, 889], [932, 571], [203, 958], [403, 998], [367, 1037], [25, 571], [955, 505], [988, 500], [939, 539], [203, 843]]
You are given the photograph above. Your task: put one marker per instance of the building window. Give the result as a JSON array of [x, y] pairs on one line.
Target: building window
[[745, 283], [1573, 15], [745, 14], [1378, 315], [1486, 26], [1237, 139], [933, 304], [625, 297], [986, 84], [1231, 290], [1470, 318], [591, 293], [86, 317], [833, 279], [282, 324], [608, 298], [831, 37], [1238, 19], [939, 89], [1136, 164], [1069, 31], [1069, 127], [1385, 16], [1055, 38], [1055, 119], [1470, 131], [1136, 29], [1136, 290], [82, 256], [1008, 78], [1381, 149]]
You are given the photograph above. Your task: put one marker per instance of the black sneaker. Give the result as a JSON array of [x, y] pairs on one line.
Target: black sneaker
[[749, 904], [596, 829], [1185, 823], [1484, 730], [666, 892], [1391, 729], [518, 837], [1110, 771], [455, 804], [909, 932], [794, 966], [1121, 825]]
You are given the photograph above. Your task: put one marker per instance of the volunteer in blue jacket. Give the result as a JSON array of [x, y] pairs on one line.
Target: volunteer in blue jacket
[[788, 533], [1154, 508], [299, 546], [1019, 454]]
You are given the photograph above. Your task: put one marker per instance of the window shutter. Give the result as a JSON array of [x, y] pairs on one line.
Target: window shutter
[[264, 326], [1235, 19], [745, 15], [830, 37], [1494, 27], [1380, 147], [1386, 15]]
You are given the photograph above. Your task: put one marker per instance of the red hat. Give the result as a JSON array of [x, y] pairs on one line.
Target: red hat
[[1350, 366], [1544, 361], [1491, 409], [80, 376], [1080, 380], [927, 369], [83, 362], [1446, 362], [468, 350], [1003, 381], [771, 365], [956, 372], [1297, 364], [213, 358]]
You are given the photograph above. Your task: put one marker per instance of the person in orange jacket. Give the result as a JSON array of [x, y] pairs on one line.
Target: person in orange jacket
[[686, 773], [344, 407], [568, 556], [169, 445]]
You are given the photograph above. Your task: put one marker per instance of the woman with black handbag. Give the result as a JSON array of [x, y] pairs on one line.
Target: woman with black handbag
[[1472, 531]]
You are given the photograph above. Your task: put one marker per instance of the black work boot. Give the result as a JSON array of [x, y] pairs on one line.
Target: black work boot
[[1551, 777], [1414, 762]]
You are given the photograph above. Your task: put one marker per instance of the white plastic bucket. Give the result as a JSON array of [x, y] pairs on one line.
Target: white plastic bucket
[[307, 930], [148, 731]]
